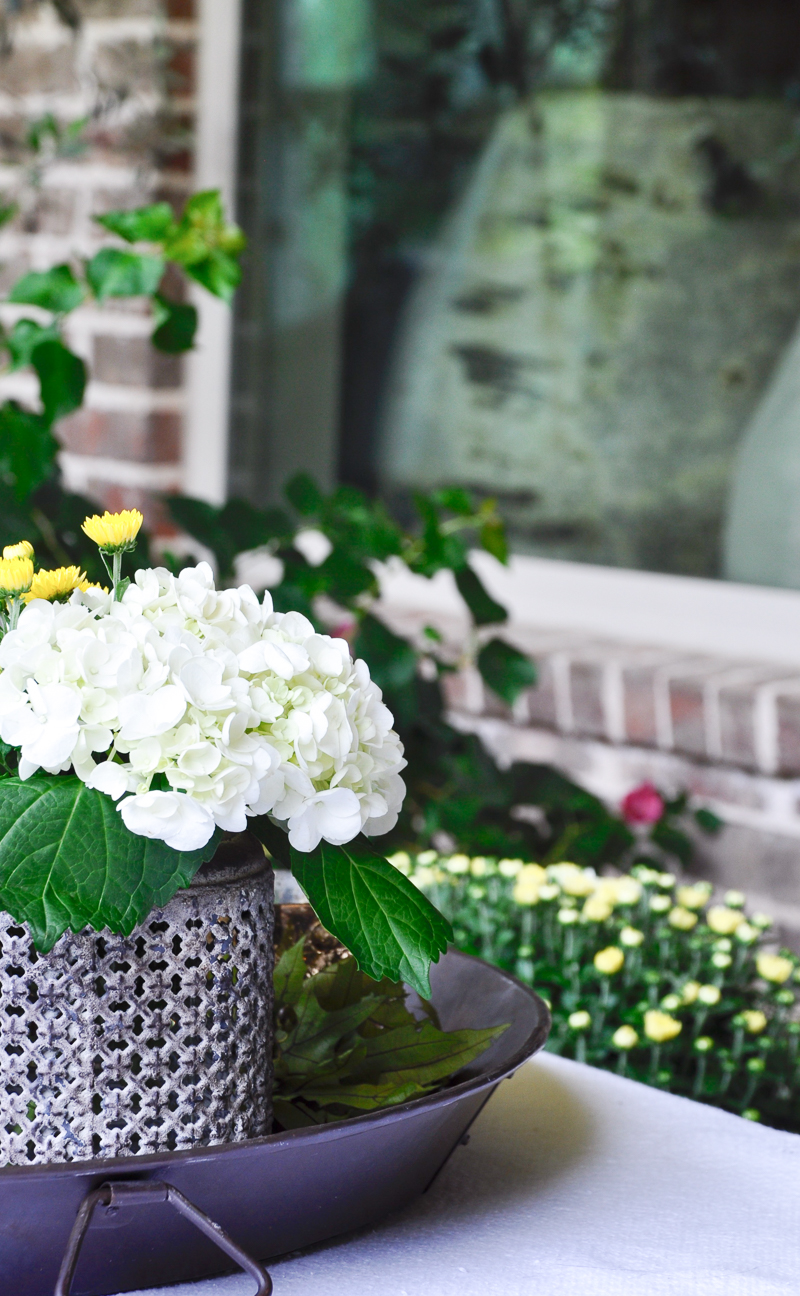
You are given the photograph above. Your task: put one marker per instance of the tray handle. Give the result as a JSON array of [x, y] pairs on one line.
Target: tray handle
[[138, 1192]]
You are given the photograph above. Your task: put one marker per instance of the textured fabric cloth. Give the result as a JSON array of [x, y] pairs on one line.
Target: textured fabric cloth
[[578, 1183]]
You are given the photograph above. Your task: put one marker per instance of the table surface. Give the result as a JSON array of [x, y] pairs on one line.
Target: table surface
[[578, 1183]]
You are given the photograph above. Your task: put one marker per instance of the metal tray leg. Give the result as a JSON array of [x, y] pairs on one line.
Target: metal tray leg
[[114, 1196]]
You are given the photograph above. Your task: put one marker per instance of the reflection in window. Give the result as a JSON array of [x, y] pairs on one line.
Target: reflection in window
[[547, 250]]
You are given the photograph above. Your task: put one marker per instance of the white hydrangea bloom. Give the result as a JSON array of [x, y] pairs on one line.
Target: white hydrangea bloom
[[241, 711]]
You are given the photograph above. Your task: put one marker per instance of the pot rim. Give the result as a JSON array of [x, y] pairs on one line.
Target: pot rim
[[133, 1165]]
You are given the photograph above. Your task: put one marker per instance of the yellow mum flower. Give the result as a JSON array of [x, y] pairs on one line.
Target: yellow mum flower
[[690, 991], [579, 1020], [16, 575], [22, 550], [574, 881], [597, 909], [457, 864], [682, 918], [754, 1021], [631, 936], [660, 1027], [609, 960], [772, 967], [509, 868], [694, 897], [114, 532], [528, 884], [709, 995], [56, 585], [625, 1037], [722, 920]]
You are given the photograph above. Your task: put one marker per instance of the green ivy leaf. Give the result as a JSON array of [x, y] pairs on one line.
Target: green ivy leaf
[[708, 821], [141, 224], [115, 273], [505, 669], [206, 246], [484, 609], [27, 449], [392, 661], [456, 499], [219, 273], [24, 337], [176, 325], [387, 924], [56, 290], [68, 861], [304, 494], [62, 378], [493, 539]]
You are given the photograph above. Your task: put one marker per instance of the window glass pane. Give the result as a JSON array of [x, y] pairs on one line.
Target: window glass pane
[[550, 251]]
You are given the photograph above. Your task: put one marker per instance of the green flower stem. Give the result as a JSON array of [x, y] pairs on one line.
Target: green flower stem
[[580, 1048], [116, 575], [700, 1075], [622, 1062], [655, 1058], [14, 608]]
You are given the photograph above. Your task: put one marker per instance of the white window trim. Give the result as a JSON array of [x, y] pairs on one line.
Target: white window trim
[[205, 454], [721, 618]]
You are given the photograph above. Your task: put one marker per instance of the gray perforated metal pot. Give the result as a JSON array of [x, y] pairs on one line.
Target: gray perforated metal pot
[[116, 1046], [274, 1194]]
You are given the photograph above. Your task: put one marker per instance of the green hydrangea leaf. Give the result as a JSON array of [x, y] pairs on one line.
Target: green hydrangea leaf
[[56, 290], [62, 378], [140, 225], [68, 861], [176, 325], [113, 272], [506, 670], [387, 924]]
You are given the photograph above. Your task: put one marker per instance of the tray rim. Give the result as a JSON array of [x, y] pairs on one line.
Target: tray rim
[[134, 1166]]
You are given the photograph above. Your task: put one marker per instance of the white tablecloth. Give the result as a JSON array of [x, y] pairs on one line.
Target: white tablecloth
[[578, 1183]]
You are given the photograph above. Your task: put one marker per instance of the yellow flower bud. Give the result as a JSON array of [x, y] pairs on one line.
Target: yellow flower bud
[[773, 967], [628, 890], [528, 886], [479, 866], [16, 576], [509, 868], [114, 532], [631, 936], [666, 880], [550, 891], [722, 920], [457, 864], [423, 876], [660, 1027], [754, 1021], [735, 899], [761, 920], [574, 881], [660, 903], [579, 1020], [708, 995], [427, 857], [693, 897], [671, 1003], [690, 991], [24, 549], [609, 960], [597, 909], [625, 1037], [746, 933], [682, 918], [567, 917]]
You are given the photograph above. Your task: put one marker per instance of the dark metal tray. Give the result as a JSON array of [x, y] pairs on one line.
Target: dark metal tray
[[271, 1195]]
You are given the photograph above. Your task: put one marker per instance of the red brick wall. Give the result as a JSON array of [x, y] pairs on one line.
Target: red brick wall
[[131, 69]]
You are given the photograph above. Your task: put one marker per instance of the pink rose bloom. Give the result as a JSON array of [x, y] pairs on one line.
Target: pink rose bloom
[[644, 805]]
